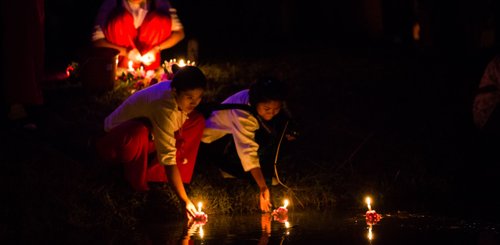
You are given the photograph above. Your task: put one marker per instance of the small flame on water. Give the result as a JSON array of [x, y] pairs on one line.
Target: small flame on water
[[199, 207], [368, 201]]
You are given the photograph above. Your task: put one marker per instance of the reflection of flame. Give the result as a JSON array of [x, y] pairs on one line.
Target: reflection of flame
[[201, 231], [370, 233]]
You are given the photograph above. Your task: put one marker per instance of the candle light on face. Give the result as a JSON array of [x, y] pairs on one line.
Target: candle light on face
[[368, 201]]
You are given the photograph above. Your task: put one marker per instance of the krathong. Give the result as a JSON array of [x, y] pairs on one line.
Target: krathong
[[372, 217], [137, 79], [200, 217], [281, 214]]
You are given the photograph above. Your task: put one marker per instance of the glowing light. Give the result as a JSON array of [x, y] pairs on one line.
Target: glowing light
[[370, 233], [416, 31], [199, 207], [201, 232], [285, 203], [287, 224], [181, 63], [368, 201], [130, 65]]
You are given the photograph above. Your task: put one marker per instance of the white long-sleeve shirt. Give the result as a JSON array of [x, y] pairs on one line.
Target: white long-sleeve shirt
[[157, 104], [241, 124]]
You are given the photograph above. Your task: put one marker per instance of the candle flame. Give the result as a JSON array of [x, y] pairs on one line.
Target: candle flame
[[368, 201], [181, 63], [199, 207], [130, 65]]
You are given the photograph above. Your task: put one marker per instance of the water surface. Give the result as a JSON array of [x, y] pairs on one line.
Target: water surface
[[326, 228]]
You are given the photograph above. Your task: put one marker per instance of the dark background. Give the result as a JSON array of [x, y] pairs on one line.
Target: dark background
[[261, 28]]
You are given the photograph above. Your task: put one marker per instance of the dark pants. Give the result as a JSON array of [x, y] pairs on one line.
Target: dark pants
[[222, 153]]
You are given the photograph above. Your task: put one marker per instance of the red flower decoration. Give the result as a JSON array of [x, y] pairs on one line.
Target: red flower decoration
[[200, 218], [280, 214], [372, 217]]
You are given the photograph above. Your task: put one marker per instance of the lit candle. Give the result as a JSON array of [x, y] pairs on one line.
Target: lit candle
[[181, 63], [285, 203], [200, 217], [368, 202], [130, 66], [372, 217], [281, 214]]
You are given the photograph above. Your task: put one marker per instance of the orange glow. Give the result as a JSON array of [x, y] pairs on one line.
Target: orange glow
[[416, 31], [199, 207]]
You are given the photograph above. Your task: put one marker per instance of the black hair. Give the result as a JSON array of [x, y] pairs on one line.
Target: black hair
[[188, 78], [267, 89]]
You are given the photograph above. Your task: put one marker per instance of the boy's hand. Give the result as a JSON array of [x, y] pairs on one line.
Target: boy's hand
[[265, 200]]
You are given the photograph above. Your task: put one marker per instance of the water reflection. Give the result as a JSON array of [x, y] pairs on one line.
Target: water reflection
[[370, 233], [322, 227]]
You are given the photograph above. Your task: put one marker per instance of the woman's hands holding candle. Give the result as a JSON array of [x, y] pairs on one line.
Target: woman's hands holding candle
[[134, 55]]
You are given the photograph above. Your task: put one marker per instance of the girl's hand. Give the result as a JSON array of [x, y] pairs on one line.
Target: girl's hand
[[134, 55], [149, 57], [190, 210]]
